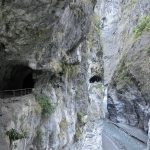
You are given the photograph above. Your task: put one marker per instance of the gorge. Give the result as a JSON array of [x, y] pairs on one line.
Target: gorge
[[75, 75]]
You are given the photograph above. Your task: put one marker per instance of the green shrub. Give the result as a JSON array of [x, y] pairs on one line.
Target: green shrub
[[40, 132], [47, 107], [14, 135], [143, 26]]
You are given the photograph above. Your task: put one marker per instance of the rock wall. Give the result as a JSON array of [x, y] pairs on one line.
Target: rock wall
[[59, 43], [126, 60]]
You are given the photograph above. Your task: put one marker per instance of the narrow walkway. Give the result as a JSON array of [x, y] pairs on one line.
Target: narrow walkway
[[15, 93], [133, 131]]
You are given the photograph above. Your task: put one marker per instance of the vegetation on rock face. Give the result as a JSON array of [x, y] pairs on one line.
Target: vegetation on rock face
[[56, 66], [96, 21], [14, 135], [78, 135], [148, 50], [95, 26], [70, 70], [50, 86], [63, 125], [89, 99], [40, 132], [38, 109], [129, 5], [79, 117], [121, 74], [143, 26], [22, 118], [78, 125], [46, 106], [93, 37]]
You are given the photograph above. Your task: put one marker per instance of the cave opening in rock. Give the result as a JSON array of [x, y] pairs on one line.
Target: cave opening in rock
[[28, 82], [20, 77], [95, 79]]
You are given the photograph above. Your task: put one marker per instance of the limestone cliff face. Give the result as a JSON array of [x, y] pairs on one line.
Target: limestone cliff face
[[126, 60], [55, 46]]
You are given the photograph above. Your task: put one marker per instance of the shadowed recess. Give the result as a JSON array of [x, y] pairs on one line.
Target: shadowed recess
[[95, 79], [19, 77]]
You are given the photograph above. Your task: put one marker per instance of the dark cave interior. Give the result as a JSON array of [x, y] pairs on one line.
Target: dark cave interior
[[95, 79], [19, 77]]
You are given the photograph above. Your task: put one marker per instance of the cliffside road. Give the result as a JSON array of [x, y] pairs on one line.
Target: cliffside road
[[116, 139], [133, 131], [108, 144]]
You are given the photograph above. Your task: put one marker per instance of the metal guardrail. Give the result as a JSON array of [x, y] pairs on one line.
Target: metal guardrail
[[15, 93]]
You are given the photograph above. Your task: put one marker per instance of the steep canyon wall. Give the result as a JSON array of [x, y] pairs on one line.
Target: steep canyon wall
[[56, 46]]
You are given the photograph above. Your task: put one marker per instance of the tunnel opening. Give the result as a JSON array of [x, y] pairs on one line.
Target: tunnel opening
[[95, 79], [20, 77], [28, 82], [18, 80]]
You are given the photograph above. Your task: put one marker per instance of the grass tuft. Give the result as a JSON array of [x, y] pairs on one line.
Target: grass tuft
[[142, 27], [46, 106]]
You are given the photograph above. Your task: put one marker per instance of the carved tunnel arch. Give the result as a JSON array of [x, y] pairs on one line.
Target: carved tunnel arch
[[19, 77], [95, 78]]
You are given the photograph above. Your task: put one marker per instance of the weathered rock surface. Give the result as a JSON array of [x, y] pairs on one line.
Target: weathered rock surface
[[55, 46], [126, 62]]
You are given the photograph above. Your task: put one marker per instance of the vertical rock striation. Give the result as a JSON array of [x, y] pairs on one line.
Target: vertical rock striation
[[56, 46], [126, 60]]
